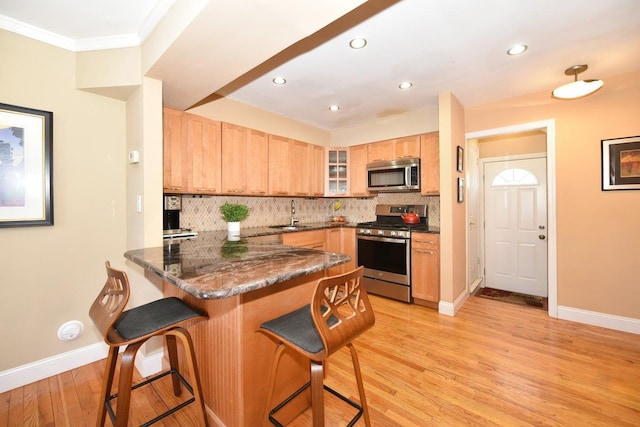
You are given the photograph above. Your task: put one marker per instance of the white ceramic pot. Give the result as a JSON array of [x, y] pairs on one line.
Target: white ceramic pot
[[233, 231]]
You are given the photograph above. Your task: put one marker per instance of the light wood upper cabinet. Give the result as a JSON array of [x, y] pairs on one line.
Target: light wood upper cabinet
[[358, 171], [234, 153], [173, 151], [337, 164], [430, 164], [279, 167], [245, 154], [407, 147], [298, 167], [394, 149], [203, 155], [380, 151], [316, 170], [257, 162]]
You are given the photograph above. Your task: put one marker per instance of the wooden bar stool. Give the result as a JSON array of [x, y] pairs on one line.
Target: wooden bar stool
[[133, 328], [339, 312]]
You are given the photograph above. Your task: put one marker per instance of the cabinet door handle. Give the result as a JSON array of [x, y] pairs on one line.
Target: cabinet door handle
[[430, 242], [422, 251]]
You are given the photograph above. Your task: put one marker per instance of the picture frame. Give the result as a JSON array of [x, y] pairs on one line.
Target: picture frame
[[26, 166], [460, 190], [460, 159], [621, 163]]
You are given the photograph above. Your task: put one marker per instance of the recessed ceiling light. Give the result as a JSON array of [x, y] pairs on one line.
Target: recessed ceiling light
[[358, 43], [334, 107], [517, 49], [279, 80], [405, 85]]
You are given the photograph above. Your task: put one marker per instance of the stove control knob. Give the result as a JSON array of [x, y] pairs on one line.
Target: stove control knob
[[394, 233], [380, 232]]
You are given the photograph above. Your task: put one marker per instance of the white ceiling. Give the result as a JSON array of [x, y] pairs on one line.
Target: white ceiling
[[456, 46]]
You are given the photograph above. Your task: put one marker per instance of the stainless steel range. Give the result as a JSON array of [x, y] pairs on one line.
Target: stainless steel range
[[384, 249]]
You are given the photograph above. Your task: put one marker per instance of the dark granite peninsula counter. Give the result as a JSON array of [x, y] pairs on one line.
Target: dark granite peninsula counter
[[240, 285], [211, 267]]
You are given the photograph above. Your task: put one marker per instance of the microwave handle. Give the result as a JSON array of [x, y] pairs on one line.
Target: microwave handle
[[407, 176]]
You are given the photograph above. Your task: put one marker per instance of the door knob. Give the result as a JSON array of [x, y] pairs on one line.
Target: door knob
[[542, 236]]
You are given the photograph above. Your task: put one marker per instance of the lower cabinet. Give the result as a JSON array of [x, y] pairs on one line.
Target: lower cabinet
[[425, 269], [339, 240], [314, 239], [343, 241]]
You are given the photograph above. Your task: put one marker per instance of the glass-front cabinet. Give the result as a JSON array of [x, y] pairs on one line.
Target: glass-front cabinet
[[337, 172]]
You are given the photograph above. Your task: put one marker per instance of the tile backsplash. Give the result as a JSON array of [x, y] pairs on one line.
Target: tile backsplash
[[202, 213]]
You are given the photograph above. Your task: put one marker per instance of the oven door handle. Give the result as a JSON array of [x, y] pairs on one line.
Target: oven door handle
[[383, 239]]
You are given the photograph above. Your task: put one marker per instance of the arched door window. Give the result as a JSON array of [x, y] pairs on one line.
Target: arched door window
[[514, 176]]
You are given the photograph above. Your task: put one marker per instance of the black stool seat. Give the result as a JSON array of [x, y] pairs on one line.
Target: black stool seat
[[298, 328], [152, 317]]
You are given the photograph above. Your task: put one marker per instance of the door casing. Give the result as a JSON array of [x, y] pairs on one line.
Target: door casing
[[548, 126]]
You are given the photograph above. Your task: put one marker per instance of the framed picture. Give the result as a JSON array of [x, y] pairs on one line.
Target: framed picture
[[460, 190], [460, 159], [621, 163], [26, 160]]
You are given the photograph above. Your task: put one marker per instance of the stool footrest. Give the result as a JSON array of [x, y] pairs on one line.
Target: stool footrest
[[165, 414], [303, 388]]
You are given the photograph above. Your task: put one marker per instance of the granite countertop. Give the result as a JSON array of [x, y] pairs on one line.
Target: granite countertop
[[211, 267], [430, 230]]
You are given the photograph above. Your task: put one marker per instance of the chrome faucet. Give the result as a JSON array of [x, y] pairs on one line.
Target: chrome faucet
[[293, 212]]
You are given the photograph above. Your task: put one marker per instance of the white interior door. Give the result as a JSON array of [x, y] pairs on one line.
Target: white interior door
[[516, 225]]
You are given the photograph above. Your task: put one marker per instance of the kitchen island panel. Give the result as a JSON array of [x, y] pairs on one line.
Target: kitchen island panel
[[235, 360]]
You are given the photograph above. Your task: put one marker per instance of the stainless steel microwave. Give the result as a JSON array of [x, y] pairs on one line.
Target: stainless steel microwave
[[394, 176]]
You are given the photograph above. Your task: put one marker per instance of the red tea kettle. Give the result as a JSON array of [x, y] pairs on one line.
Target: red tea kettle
[[410, 218]]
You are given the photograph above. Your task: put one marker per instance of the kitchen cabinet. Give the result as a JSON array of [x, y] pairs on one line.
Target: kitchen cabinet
[[337, 168], [173, 151], [316, 170], [257, 162], [313, 239], [425, 268], [279, 166], [234, 153], [394, 149], [380, 151], [203, 155], [430, 164], [358, 171], [298, 167], [245, 154], [342, 240], [407, 147]]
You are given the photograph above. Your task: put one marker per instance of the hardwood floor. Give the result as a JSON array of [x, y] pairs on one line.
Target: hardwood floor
[[494, 364]]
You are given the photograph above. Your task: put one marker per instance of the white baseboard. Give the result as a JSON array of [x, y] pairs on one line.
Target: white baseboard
[[45, 368], [610, 321], [450, 309]]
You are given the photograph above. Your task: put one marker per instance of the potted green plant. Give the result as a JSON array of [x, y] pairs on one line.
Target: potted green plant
[[234, 213]]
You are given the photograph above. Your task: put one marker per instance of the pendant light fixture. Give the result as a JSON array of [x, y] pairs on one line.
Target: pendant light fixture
[[577, 88]]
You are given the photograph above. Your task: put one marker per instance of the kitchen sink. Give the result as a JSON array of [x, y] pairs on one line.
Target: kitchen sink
[[289, 227]]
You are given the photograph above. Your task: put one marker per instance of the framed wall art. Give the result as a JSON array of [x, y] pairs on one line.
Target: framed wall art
[[26, 160], [460, 190], [621, 163]]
